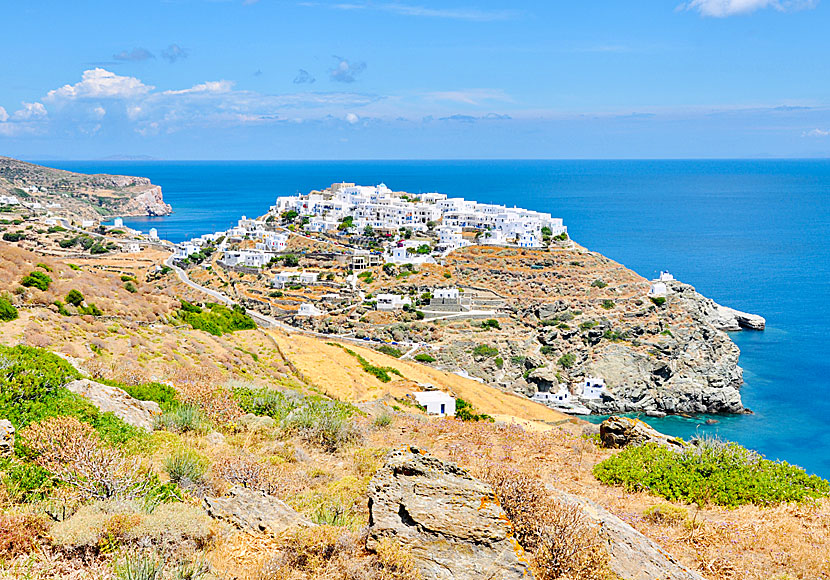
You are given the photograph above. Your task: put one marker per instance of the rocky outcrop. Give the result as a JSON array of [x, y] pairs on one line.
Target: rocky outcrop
[[6, 438], [254, 511], [618, 432], [148, 202], [706, 309], [742, 319], [451, 523], [631, 555], [116, 401]]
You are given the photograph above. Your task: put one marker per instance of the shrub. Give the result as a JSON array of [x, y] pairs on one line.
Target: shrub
[[185, 467], [390, 350], [163, 394], [485, 351], [13, 236], [7, 310], [130, 287], [20, 534], [74, 298], [75, 453], [323, 423], [566, 361], [383, 420], [182, 419], [716, 472], [658, 300], [36, 279], [465, 412], [248, 472], [266, 402], [561, 540], [598, 283], [90, 309], [490, 323], [666, 513], [24, 481], [140, 567], [380, 373], [216, 319], [424, 358], [607, 304]]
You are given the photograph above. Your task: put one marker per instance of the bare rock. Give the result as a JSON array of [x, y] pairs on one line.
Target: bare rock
[[254, 511], [618, 432], [6, 438], [631, 555], [452, 523], [116, 401]]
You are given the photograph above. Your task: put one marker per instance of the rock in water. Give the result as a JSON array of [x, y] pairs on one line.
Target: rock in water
[[631, 555], [116, 401], [452, 523], [6, 438], [254, 511], [621, 431]]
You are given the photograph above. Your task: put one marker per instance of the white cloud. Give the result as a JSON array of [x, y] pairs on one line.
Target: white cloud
[[101, 83], [351, 118], [817, 133], [4, 116], [99, 112], [724, 8], [30, 112], [469, 96], [214, 87]]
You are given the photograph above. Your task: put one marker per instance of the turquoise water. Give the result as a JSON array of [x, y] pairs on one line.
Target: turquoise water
[[750, 234]]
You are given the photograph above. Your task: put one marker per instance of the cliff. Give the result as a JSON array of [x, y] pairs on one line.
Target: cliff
[[79, 195]]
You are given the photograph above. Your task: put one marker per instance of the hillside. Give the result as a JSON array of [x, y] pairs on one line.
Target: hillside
[[80, 196], [241, 453]]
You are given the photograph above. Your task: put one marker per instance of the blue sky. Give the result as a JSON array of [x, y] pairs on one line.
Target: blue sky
[[349, 79]]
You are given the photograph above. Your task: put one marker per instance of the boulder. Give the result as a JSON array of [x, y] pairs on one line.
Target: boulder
[[451, 523], [6, 438], [631, 555], [618, 432], [545, 379], [116, 401], [254, 511]]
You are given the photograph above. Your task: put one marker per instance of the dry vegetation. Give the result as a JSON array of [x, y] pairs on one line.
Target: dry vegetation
[[527, 449]]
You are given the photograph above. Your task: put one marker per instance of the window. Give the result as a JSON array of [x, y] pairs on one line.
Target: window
[[443, 409]]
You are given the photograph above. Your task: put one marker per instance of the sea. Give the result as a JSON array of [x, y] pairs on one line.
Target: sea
[[751, 234]]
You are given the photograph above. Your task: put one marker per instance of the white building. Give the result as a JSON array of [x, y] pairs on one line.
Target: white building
[[436, 402], [446, 294], [658, 290], [185, 250], [250, 258], [153, 233], [273, 242], [9, 200], [391, 301], [309, 310], [383, 209], [593, 388], [665, 277], [560, 398], [131, 248], [87, 223], [118, 223], [286, 277]]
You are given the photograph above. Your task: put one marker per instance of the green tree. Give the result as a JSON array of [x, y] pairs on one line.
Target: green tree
[[74, 298]]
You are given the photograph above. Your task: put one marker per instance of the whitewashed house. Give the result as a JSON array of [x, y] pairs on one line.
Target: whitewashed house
[[308, 309], [131, 248], [118, 223], [153, 233], [87, 223], [560, 398], [9, 200], [658, 290], [273, 242], [436, 402], [446, 294], [593, 388], [665, 277], [391, 301], [249, 258]]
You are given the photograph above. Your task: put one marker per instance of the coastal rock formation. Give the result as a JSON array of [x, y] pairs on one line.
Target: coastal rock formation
[[451, 523], [116, 401], [631, 555], [618, 432], [6, 438], [721, 317], [149, 202], [254, 511]]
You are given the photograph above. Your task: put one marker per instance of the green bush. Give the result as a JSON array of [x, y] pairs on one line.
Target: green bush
[[24, 481], [74, 298], [215, 318], [130, 287], [267, 402], [490, 323], [658, 300], [566, 361], [7, 310], [185, 467], [140, 567], [485, 351], [424, 358], [465, 412], [163, 394], [390, 350], [36, 279], [182, 419], [90, 309], [323, 423], [13, 236], [607, 304], [598, 283], [381, 373], [714, 471]]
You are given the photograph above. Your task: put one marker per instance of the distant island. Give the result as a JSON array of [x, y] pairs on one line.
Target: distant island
[[77, 195]]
